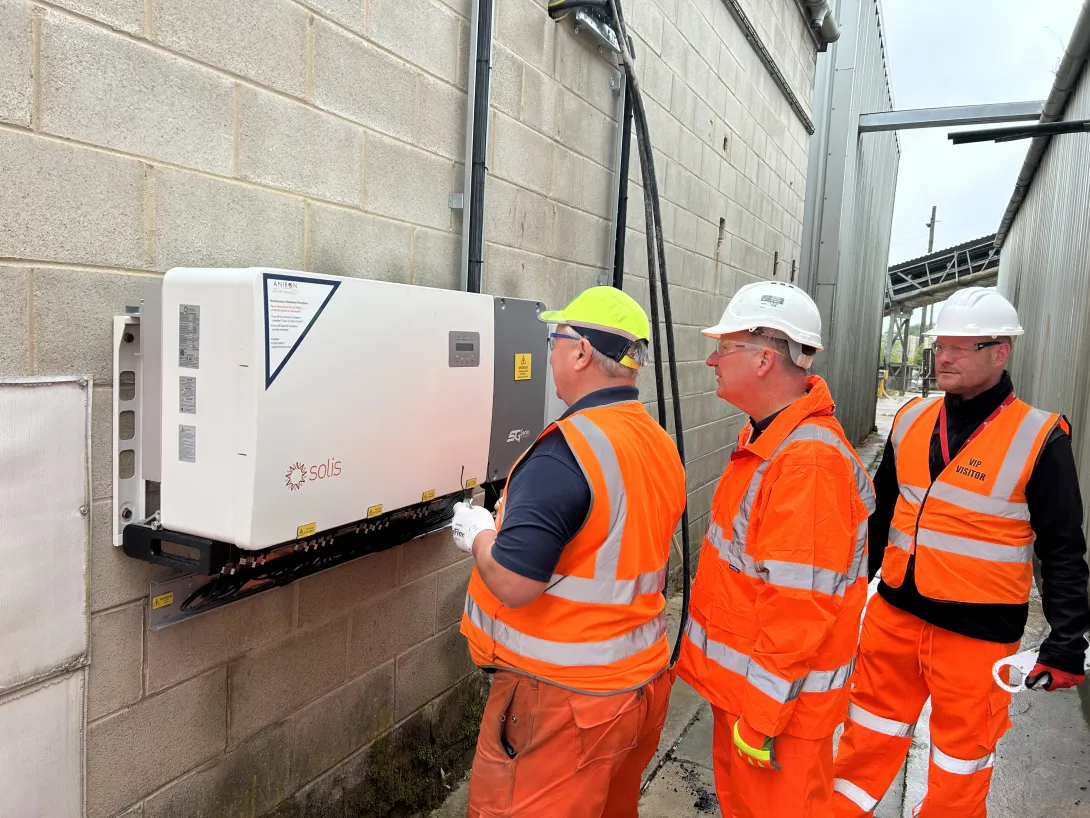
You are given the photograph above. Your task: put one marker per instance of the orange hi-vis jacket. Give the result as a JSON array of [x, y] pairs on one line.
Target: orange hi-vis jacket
[[600, 625], [782, 580], [970, 529]]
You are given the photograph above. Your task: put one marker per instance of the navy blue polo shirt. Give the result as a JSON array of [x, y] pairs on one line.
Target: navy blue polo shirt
[[548, 498]]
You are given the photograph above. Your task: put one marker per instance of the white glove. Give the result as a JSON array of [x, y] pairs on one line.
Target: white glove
[[468, 522]]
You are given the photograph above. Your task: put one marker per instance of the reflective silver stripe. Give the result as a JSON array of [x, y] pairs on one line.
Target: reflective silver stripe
[[569, 654], [980, 549], [783, 691], [740, 523], [609, 554], [905, 420], [803, 577], [606, 591], [959, 766], [859, 558], [604, 587], [857, 796], [777, 689], [900, 539], [980, 503], [732, 551], [822, 681], [912, 494], [1018, 453], [726, 657], [879, 724]]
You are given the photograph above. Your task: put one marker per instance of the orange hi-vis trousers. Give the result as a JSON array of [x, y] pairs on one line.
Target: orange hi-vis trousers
[[801, 788], [548, 752], [903, 660]]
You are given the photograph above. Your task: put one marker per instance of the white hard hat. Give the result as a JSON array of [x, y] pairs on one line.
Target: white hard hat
[[977, 311], [784, 309]]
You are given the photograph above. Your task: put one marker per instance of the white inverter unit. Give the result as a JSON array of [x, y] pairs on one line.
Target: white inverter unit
[[294, 403]]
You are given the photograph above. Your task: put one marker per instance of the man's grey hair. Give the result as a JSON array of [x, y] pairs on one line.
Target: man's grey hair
[[637, 351], [788, 348]]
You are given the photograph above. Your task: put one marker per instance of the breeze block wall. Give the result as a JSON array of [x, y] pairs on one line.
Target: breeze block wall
[[326, 135]]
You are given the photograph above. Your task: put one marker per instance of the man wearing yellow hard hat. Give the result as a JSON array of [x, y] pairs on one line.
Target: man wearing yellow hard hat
[[565, 604]]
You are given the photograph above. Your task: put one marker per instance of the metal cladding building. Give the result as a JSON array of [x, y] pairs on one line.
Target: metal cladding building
[[1045, 260], [851, 184]]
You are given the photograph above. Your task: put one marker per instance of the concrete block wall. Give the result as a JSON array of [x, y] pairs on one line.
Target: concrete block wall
[[326, 135]]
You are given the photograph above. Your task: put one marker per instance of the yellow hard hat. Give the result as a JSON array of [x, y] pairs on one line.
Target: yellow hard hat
[[604, 308], [608, 318]]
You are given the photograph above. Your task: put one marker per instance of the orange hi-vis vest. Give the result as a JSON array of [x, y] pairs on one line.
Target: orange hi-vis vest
[[782, 579], [600, 625], [970, 528]]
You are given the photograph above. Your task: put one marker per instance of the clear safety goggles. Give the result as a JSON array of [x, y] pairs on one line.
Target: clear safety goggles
[[958, 352], [727, 347]]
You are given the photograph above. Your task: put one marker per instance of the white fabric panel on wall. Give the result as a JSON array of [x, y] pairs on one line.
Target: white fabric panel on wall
[[44, 526]]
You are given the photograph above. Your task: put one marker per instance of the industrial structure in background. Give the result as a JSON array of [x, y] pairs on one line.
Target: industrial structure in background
[[922, 282]]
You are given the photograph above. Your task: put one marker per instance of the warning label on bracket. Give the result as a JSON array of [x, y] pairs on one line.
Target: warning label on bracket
[[292, 305]]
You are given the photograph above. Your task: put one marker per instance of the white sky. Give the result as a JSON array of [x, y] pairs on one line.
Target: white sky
[[963, 52]]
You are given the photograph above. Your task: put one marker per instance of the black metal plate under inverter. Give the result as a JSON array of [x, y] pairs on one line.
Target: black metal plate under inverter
[[518, 403]]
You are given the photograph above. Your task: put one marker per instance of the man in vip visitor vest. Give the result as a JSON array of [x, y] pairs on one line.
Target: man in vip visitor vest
[[565, 604], [782, 579], [970, 486]]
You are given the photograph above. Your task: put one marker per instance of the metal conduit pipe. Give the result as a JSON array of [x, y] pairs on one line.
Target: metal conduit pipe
[[1067, 78], [822, 20]]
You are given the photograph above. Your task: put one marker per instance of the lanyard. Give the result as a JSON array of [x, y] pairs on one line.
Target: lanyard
[[942, 427]]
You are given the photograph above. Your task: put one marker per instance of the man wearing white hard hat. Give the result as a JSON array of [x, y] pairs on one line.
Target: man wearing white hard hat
[[971, 485], [781, 583]]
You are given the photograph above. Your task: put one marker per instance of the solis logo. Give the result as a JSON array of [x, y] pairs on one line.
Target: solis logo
[[298, 473]]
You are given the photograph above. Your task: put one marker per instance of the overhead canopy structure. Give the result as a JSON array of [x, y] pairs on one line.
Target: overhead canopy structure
[[933, 278]]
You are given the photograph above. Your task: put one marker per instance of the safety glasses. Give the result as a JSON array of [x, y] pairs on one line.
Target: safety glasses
[[554, 335], [727, 347], [958, 352]]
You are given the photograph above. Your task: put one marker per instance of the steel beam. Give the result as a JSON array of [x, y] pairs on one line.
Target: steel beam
[[957, 115]]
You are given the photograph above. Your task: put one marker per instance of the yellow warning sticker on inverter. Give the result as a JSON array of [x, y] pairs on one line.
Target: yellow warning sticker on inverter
[[307, 530], [374, 511], [471, 483], [162, 601], [522, 366], [428, 495]]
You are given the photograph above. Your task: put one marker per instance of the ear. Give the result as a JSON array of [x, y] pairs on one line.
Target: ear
[[767, 360], [582, 357], [1002, 353]]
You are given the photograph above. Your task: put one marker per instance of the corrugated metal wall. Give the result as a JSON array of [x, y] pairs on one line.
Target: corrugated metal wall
[[1044, 270], [849, 212]]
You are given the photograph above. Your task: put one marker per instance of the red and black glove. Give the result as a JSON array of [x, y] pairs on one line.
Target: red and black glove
[[1049, 678]]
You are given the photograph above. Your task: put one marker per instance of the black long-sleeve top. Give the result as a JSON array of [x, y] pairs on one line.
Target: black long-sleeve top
[[1055, 508]]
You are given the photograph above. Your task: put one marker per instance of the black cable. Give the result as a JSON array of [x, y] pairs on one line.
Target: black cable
[[483, 56], [653, 217], [622, 189]]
